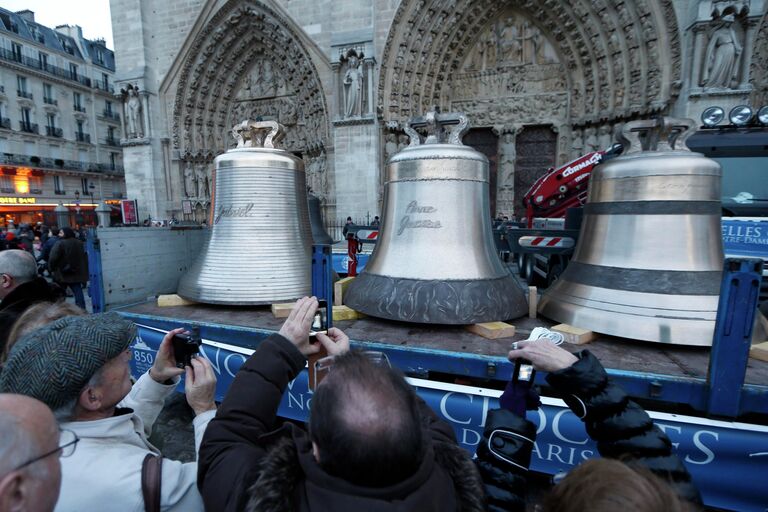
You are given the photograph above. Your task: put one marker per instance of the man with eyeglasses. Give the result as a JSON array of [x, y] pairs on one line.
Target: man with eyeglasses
[[30, 447], [79, 366], [20, 287]]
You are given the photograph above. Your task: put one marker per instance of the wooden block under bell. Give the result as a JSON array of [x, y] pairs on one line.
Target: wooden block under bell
[[759, 351], [339, 288], [574, 335], [345, 313], [492, 330], [282, 310], [165, 301], [533, 301]]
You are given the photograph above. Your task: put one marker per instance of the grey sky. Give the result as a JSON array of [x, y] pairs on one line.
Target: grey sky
[[92, 15]]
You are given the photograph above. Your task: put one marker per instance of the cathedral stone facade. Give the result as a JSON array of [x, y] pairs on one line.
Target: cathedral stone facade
[[542, 81]]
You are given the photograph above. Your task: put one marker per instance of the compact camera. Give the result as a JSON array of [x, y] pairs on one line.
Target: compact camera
[[185, 346]]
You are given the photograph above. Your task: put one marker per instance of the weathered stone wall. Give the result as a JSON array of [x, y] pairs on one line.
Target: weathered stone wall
[[356, 69]]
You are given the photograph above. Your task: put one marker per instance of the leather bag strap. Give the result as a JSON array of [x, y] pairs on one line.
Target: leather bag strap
[[151, 476]]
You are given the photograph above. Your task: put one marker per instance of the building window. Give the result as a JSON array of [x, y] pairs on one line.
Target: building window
[[112, 161], [48, 94], [16, 51], [105, 80], [77, 100], [79, 127], [73, 71], [43, 60], [21, 82], [26, 121], [6, 184], [50, 120], [35, 184], [100, 57], [108, 107], [84, 183], [58, 185]]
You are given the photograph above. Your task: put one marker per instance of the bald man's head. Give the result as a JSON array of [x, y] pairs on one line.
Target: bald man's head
[[366, 424], [16, 267], [28, 430]]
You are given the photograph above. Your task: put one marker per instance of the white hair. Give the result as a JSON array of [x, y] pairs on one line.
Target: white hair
[[18, 446], [18, 264]]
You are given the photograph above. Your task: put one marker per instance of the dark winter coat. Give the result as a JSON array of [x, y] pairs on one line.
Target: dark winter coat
[[68, 262], [247, 463], [45, 251], [621, 428], [22, 297]]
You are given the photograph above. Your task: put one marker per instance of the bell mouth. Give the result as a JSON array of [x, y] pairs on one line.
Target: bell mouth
[[448, 302]]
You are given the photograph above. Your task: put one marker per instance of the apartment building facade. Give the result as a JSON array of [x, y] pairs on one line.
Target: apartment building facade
[[60, 123]]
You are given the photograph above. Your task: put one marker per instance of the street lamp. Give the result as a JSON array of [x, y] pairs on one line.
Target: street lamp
[[77, 201]]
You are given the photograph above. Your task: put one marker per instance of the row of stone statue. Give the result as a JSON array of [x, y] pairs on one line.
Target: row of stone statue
[[197, 181]]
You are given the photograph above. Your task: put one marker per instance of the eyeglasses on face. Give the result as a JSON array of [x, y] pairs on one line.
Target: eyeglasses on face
[[67, 442]]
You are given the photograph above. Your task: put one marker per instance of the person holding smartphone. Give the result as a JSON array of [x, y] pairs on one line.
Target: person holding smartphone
[[372, 443], [622, 429]]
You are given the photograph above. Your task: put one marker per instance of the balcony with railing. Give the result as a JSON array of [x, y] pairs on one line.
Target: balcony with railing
[[110, 115], [58, 164], [83, 137], [52, 131], [5, 123], [99, 85], [2, 89], [111, 141], [39, 65], [50, 101], [80, 108], [23, 94], [28, 127]]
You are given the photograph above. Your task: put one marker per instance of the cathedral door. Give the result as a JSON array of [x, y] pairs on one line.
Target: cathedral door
[[536, 148]]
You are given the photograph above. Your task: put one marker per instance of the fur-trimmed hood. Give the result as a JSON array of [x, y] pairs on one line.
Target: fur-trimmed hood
[[291, 480]]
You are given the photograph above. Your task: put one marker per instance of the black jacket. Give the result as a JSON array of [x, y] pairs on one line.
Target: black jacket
[[621, 428], [68, 261], [23, 296], [248, 462]]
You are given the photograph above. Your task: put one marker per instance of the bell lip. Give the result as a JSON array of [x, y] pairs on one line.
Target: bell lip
[[502, 299]]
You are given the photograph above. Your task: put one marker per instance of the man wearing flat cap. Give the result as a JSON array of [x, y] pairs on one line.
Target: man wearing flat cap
[[80, 368]]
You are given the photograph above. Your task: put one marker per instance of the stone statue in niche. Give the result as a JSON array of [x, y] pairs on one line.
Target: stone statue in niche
[[590, 140], [507, 157], [604, 137], [133, 112], [402, 142], [203, 189], [190, 181], [723, 52], [390, 146], [577, 144], [353, 84]]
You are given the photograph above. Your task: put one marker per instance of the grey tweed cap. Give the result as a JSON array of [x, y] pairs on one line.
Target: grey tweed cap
[[55, 362]]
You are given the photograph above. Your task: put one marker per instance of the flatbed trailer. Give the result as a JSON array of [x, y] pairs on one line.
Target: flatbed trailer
[[717, 417]]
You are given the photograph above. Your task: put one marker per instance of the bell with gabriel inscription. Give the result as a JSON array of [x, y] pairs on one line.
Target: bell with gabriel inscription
[[435, 261], [649, 259], [260, 248]]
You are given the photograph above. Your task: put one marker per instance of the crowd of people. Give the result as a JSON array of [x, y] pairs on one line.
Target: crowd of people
[[75, 428]]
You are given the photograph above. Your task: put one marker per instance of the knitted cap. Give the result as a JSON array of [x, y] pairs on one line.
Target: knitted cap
[[55, 362]]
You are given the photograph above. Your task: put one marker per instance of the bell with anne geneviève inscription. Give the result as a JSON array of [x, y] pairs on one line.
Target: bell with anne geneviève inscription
[[260, 248], [435, 260]]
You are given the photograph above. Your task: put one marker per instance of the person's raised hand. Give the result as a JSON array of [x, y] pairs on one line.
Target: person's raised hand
[[200, 385], [164, 367], [335, 343], [297, 325], [543, 355]]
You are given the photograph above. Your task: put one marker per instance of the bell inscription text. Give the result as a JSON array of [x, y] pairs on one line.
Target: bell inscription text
[[406, 222]]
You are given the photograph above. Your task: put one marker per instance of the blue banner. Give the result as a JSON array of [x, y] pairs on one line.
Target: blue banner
[[728, 461], [745, 238]]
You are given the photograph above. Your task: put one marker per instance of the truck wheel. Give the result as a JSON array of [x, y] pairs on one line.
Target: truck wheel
[[533, 278], [554, 273], [522, 265]]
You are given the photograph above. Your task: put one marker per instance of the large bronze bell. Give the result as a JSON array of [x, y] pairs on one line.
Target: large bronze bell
[[260, 249], [435, 260], [649, 258]]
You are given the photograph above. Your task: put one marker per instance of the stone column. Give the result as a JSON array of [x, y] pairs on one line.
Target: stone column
[[145, 112], [102, 213], [505, 182], [746, 57], [369, 67], [338, 98], [698, 49]]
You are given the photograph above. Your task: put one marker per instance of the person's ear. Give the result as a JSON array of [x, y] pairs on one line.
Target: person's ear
[[13, 492], [90, 399], [6, 280]]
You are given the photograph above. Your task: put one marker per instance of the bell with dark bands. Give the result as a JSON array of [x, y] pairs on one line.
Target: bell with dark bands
[[435, 260], [260, 248], [649, 258]]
